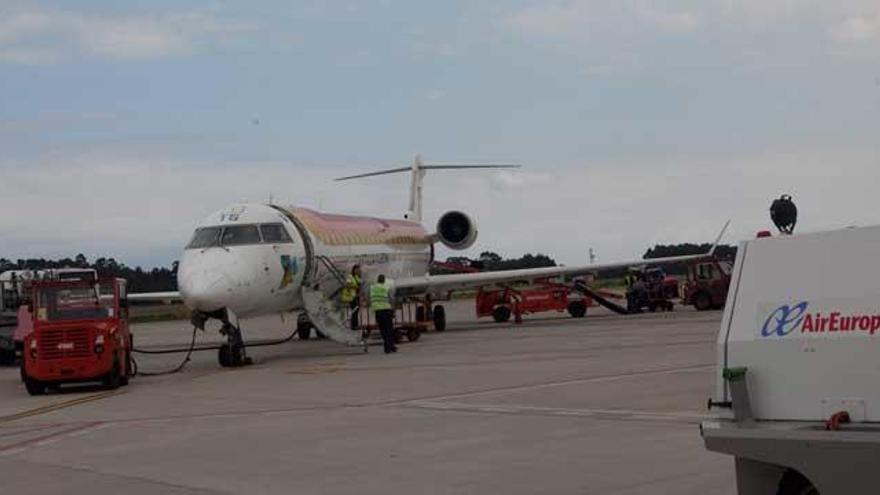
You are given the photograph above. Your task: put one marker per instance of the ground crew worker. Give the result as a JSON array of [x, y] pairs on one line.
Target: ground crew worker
[[351, 292], [380, 303]]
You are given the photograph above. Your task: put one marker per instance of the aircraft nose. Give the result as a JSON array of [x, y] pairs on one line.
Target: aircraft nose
[[204, 282], [204, 292]]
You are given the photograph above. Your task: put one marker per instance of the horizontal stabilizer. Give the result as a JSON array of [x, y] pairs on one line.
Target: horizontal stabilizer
[[429, 167]]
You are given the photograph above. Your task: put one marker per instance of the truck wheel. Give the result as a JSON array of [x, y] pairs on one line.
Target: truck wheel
[[702, 301], [413, 334], [439, 318], [794, 483], [34, 387], [577, 309], [123, 380], [113, 379], [501, 314], [7, 357]]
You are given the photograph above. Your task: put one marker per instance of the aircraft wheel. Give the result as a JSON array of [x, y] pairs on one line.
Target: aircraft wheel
[[577, 309], [501, 314], [420, 313], [304, 331], [224, 356], [702, 301], [439, 318]]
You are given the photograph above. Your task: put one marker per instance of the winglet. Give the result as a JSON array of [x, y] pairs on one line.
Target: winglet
[[718, 239]]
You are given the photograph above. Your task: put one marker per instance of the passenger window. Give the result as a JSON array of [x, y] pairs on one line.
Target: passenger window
[[237, 235], [204, 237], [274, 233]]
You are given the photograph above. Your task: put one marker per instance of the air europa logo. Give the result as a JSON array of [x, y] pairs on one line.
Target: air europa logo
[[794, 318], [784, 320]]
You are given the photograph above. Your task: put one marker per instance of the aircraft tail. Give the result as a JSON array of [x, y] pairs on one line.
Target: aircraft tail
[[418, 169]]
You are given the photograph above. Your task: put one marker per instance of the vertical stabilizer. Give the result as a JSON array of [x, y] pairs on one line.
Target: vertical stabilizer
[[415, 190]]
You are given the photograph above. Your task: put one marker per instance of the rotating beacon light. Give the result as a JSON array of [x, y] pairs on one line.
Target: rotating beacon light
[[783, 212]]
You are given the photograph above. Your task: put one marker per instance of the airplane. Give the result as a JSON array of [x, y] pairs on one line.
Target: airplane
[[252, 259]]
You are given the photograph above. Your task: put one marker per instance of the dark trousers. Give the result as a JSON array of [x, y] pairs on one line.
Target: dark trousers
[[355, 308], [385, 320]]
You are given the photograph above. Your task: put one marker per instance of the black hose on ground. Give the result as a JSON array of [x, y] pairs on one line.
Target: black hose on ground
[[176, 369], [192, 348], [601, 300]]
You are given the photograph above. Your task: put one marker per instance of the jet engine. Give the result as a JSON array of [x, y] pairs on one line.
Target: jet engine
[[456, 230]]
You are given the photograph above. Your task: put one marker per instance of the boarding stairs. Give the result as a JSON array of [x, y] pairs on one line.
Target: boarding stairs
[[321, 300]]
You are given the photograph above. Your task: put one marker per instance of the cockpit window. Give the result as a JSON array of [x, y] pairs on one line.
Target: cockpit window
[[274, 233], [205, 237], [236, 235], [239, 235]]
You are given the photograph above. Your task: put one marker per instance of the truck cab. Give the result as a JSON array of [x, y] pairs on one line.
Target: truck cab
[[796, 400], [80, 334], [707, 284]]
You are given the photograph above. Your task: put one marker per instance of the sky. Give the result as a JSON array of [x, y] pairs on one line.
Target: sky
[[637, 122]]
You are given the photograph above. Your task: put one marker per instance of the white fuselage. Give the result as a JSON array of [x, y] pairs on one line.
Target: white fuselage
[[252, 259]]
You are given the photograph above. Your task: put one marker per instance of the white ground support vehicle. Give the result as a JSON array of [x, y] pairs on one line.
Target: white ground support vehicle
[[797, 395]]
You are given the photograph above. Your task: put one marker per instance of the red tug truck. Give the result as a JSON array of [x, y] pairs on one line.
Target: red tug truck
[[80, 334]]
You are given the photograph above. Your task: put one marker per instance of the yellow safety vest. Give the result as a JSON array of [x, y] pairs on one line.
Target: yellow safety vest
[[350, 291], [379, 297]]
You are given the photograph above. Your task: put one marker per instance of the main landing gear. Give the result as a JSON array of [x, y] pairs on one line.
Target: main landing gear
[[232, 353]]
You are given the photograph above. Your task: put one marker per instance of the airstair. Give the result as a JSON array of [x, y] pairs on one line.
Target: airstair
[[321, 300]]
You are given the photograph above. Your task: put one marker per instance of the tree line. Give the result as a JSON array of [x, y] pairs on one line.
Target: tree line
[[157, 279]]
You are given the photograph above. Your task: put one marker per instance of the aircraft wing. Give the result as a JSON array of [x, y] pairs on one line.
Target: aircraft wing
[[154, 296], [459, 281]]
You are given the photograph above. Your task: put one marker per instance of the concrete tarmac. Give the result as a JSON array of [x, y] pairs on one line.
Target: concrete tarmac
[[606, 404]]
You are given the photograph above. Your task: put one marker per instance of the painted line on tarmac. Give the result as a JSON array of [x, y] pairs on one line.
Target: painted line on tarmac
[[563, 383], [50, 438], [605, 414], [55, 406]]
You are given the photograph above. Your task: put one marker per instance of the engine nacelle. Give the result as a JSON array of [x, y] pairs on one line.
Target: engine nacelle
[[456, 230]]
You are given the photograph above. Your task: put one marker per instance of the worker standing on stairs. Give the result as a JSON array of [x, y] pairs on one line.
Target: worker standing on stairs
[[351, 294], [380, 303]]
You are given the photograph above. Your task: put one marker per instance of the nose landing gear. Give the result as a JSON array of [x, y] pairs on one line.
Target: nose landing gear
[[233, 352]]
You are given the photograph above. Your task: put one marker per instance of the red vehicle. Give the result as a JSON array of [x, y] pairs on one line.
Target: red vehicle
[[80, 334], [707, 284], [548, 296]]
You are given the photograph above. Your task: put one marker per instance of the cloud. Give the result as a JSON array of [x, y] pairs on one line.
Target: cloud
[[39, 36], [434, 94], [595, 30], [581, 17], [671, 22], [142, 207], [856, 29]]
